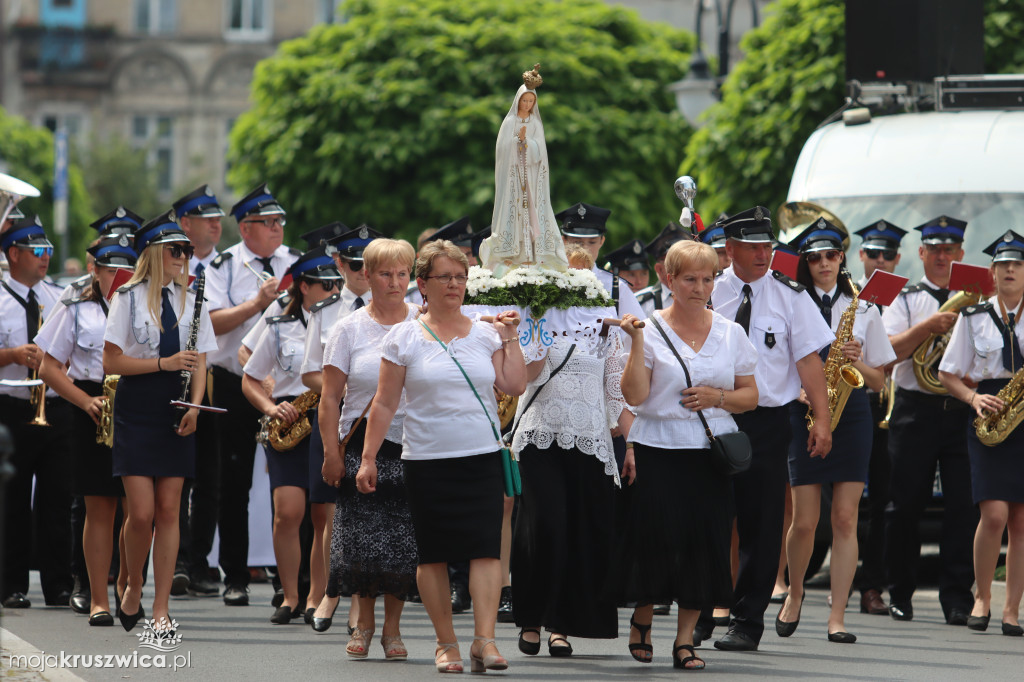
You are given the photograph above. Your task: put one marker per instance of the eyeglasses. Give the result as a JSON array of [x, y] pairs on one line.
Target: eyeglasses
[[179, 250], [816, 256], [38, 251], [267, 222], [889, 254], [446, 279]]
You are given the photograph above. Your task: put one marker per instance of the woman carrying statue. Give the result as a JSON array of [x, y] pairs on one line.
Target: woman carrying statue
[[523, 226]]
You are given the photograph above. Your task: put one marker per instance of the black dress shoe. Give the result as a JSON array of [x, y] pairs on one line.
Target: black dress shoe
[[505, 606], [903, 611], [960, 617], [558, 650], [324, 624], [1011, 630], [80, 597], [842, 637], [700, 634], [282, 615], [527, 647], [101, 618], [180, 583], [734, 640], [16, 600], [203, 587], [460, 597], [307, 616], [236, 595], [129, 621], [61, 598], [278, 597], [979, 623]]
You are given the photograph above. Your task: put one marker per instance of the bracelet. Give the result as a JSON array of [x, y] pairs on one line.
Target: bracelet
[[971, 400], [721, 400], [158, 367], [508, 341]]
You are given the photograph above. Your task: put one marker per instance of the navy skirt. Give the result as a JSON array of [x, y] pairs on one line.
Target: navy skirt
[[319, 492], [997, 472], [289, 467], [93, 463], [145, 442], [851, 445]]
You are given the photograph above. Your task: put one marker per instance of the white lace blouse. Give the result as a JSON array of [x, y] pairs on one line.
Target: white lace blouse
[[579, 406]]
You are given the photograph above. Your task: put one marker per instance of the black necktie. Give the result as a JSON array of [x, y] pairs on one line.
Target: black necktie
[[1012, 358], [267, 267], [31, 315], [826, 312], [199, 270], [743, 312], [169, 341], [942, 295], [359, 303]]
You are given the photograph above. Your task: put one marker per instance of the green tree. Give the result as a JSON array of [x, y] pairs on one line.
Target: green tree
[[1004, 25], [118, 174], [391, 117], [27, 152]]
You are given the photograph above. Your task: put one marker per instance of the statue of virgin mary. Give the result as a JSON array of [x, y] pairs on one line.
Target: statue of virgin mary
[[523, 226]]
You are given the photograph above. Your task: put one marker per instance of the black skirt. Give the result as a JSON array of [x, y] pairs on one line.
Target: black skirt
[[373, 547], [997, 471], [456, 505], [562, 544], [93, 465], [674, 543], [145, 442], [851, 445]]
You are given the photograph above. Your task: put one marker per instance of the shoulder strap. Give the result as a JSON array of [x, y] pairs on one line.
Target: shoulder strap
[[533, 397], [689, 384]]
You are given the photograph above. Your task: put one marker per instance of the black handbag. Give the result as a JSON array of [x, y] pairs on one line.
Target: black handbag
[[731, 453]]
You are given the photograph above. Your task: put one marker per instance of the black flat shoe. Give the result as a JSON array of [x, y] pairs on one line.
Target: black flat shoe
[[978, 623], [324, 624], [779, 598], [529, 648], [277, 599], [129, 621], [643, 645], [1011, 630], [560, 651], [784, 629], [842, 637], [307, 617], [680, 663], [101, 618], [282, 615]]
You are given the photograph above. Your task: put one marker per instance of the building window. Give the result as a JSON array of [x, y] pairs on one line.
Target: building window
[[328, 11], [73, 124], [156, 16], [248, 19], [155, 134]]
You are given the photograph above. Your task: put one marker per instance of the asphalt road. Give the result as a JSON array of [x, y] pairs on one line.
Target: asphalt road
[[239, 643]]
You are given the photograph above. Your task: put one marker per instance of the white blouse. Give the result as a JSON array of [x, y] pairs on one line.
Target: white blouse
[[278, 353], [132, 328], [661, 421], [579, 406], [975, 349], [443, 419], [354, 347], [321, 323], [73, 335]]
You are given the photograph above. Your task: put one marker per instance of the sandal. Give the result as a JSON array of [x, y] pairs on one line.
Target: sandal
[[636, 647], [447, 666], [359, 643], [527, 647], [681, 662], [394, 648], [560, 651], [480, 663]]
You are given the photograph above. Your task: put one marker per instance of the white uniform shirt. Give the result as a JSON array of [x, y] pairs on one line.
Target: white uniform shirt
[[232, 284], [909, 309], [193, 263], [661, 421], [650, 304], [12, 327], [321, 325], [443, 418], [278, 353], [975, 349], [867, 329], [276, 308], [785, 326], [132, 328], [354, 347], [73, 335], [627, 299]]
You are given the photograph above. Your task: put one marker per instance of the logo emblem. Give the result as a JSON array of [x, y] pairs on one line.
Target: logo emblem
[[207, 191], [120, 212], [880, 226], [123, 241], [1007, 237], [637, 248], [942, 222], [758, 214], [364, 233], [582, 211]]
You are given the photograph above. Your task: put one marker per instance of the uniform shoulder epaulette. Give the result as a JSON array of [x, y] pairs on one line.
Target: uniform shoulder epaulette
[[221, 259], [128, 287], [283, 298], [72, 301], [791, 283], [333, 298], [294, 252], [58, 286], [979, 308], [645, 294], [82, 282], [276, 319], [913, 288]]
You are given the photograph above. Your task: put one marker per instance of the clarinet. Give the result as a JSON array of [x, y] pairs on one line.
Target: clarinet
[[193, 340]]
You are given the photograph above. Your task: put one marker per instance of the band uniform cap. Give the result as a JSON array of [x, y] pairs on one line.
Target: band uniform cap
[[583, 220], [630, 256], [350, 245], [15, 214], [160, 230], [942, 230], [114, 251], [881, 235], [821, 235], [199, 203], [324, 233], [316, 264], [753, 226], [786, 248], [1009, 247], [669, 235], [714, 236], [118, 221], [458, 232], [26, 232], [478, 238], [257, 202]]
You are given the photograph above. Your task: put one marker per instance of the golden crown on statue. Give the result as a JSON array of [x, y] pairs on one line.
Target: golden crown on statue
[[532, 78]]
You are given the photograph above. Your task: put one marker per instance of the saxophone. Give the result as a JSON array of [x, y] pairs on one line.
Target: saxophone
[[926, 357], [105, 429], [994, 427], [281, 436], [841, 377]]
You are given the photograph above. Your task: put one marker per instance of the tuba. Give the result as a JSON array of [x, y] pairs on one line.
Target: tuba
[[927, 356], [281, 436], [841, 377], [993, 428], [13, 190], [796, 215], [105, 429]]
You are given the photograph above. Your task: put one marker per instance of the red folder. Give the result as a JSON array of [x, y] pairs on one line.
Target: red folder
[[121, 278], [785, 262], [882, 288], [971, 278]]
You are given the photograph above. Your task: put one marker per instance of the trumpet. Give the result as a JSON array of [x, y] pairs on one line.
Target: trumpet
[[39, 392], [888, 398], [260, 274]]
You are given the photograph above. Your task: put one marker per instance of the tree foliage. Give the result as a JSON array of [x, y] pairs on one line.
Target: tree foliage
[[118, 174], [391, 117], [1004, 25], [27, 152]]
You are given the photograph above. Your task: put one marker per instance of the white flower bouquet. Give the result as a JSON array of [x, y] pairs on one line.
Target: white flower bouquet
[[536, 288]]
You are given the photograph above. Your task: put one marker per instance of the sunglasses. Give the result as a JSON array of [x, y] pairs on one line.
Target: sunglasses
[[179, 250], [816, 256], [38, 251], [354, 265], [889, 254], [328, 284]]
